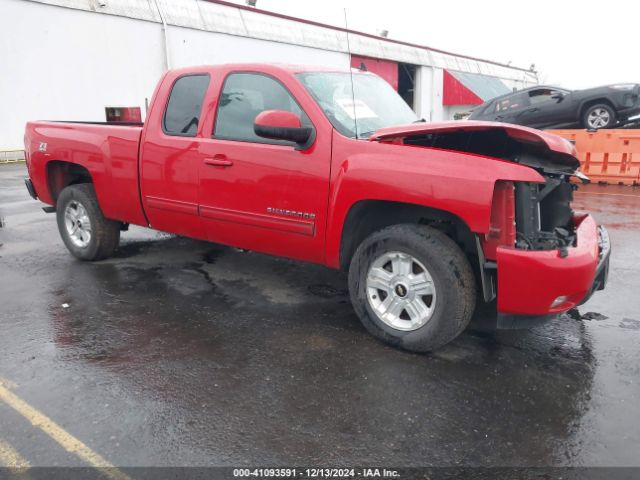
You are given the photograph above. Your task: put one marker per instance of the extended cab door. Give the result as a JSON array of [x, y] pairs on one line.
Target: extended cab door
[[260, 194], [170, 156]]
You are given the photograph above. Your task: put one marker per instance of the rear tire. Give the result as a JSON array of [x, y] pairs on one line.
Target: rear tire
[[83, 228], [426, 297], [598, 116]]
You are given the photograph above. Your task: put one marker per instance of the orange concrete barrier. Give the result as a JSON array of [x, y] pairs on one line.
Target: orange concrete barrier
[[607, 156]]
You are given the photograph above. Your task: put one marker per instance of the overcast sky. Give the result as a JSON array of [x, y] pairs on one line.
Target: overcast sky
[[573, 44]]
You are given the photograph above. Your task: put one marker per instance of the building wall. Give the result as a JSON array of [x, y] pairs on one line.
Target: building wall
[[422, 93], [190, 47], [437, 109], [429, 92], [66, 64], [69, 59], [60, 63]]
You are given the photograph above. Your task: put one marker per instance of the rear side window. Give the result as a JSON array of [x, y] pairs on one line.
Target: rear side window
[[519, 100], [243, 97], [489, 108], [185, 103], [543, 95]]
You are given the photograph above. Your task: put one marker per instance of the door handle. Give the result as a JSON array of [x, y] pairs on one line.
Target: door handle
[[218, 161]]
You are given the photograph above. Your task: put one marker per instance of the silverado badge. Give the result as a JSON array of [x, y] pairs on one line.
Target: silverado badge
[[291, 213]]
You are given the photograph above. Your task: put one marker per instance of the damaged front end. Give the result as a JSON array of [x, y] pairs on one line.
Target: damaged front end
[[543, 215], [539, 257], [544, 218]]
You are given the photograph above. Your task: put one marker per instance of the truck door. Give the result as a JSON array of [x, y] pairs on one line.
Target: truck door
[[262, 194], [169, 157]]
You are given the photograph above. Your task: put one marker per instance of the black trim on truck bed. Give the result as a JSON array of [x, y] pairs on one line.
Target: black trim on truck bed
[[30, 188], [115, 124]]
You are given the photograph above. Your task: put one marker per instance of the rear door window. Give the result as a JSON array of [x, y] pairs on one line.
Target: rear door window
[[540, 96], [543, 95], [182, 115], [517, 101]]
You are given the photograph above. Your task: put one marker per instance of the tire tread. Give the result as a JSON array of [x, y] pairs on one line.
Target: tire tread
[[446, 255]]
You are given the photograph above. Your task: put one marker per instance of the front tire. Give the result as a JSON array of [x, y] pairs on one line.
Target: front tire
[[412, 287], [599, 116], [83, 228]]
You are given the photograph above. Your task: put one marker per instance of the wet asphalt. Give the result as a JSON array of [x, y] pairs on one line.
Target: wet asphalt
[[178, 352]]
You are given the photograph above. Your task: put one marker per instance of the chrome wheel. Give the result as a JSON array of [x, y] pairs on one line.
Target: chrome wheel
[[400, 291], [76, 221], [598, 118]]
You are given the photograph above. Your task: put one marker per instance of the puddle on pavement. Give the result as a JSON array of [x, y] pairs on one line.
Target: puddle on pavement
[[630, 324], [211, 256], [326, 291]]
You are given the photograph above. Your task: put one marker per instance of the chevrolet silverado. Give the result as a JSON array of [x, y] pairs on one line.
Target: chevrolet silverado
[[331, 166]]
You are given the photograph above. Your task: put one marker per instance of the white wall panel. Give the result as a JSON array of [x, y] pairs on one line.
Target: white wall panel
[[429, 90], [422, 100], [197, 47], [436, 95], [68, 59], [69, 64], [64, 64]]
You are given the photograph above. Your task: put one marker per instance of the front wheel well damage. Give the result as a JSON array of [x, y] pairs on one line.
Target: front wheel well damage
[[369, 216], [61, 174]]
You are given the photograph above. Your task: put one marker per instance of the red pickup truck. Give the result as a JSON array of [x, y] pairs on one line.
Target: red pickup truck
[[331, 166]]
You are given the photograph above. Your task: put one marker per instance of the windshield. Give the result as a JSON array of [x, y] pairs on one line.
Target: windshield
[[376, 104]]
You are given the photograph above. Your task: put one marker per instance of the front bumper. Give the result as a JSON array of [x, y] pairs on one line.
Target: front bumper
[[538, 285], [627, 113], [602, 271], [627, 103]]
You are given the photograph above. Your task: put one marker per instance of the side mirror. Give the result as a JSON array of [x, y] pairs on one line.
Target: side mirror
[[558, 97], [283, 125]]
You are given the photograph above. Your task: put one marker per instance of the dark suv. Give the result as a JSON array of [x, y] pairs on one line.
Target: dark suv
[[552, 107]]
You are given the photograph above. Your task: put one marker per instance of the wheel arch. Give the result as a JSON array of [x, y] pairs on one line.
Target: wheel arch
[[368, 216], [589, 103], [62, 173]]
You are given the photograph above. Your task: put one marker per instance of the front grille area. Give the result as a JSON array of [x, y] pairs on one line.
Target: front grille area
[[544, 215]]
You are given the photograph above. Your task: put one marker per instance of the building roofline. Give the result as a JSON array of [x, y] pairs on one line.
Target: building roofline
[[364, 34], [261, 67]]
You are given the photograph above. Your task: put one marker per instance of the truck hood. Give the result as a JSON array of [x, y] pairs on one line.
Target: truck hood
[[558, 150]]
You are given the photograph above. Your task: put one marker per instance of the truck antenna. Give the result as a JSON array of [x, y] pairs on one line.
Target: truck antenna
[[353, 93]]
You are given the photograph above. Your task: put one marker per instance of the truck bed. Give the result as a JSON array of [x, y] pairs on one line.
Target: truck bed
[[108, 150]]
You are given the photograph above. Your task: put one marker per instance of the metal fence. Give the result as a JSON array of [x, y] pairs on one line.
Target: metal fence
[[11, 156]]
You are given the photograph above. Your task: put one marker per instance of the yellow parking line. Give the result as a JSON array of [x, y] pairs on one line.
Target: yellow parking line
[[12, 459], [58, 434]]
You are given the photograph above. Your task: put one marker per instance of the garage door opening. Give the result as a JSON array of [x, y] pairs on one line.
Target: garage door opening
[[407, 83], [401, 76]]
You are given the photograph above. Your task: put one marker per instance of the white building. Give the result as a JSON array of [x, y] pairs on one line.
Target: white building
[[72, 59]]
